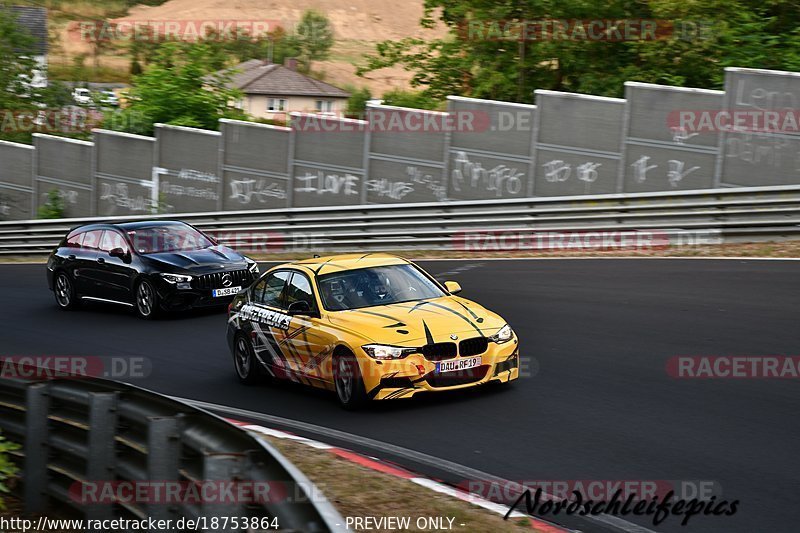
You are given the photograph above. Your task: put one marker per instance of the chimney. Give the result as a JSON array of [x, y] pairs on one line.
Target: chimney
[[290, 63]]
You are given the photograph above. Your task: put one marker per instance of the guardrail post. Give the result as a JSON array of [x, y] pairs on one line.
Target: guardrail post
[[163, 458], [37, 405], [225, 468], [102, 447]]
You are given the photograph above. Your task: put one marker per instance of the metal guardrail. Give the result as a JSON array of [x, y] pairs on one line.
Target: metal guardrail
[[740, 214], [76, 431]]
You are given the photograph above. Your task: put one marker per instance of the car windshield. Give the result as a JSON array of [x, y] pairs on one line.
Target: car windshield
[[167, 238], [368, 287]]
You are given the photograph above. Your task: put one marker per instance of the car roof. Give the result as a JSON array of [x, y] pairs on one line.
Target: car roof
[[90, 227], [341, 262], [125, 226], [149, 223]]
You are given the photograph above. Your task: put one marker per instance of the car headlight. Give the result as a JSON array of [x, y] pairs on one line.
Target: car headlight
[[380, 351], [252, 266], [176, 278], [183, 282], [503, 335]]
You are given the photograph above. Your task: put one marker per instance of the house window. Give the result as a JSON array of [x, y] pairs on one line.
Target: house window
[[276, 104], [324, 106]]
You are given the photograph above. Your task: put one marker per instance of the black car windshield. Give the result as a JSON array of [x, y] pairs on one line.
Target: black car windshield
[[167, 238], [368, 287]]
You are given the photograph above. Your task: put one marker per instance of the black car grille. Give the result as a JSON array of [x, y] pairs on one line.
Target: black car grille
[[214, 281], [439, 351], [473, 346], [447, 350], [459, 377]]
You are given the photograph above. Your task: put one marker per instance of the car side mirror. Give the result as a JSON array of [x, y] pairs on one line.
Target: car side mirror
[[118, 252], [299, 307], [453, 287]]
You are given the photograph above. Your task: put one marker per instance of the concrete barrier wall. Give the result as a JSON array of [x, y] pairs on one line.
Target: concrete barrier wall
[[123, 171], [328, 167], [406, 155], [657, 138], [187, 164], [661, 153], [492, 158], [761, 158], [64, 165], [16, 187], [577, 144], [256, 163]]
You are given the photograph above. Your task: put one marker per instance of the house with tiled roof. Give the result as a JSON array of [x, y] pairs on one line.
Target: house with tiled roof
[[273, 91]]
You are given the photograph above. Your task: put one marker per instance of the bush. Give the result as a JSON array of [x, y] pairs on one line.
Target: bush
[[53, 207], [8, 469], [417, 100], [357, 103]]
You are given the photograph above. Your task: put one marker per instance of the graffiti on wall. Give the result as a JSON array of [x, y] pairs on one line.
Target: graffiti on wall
[[252, 190], [501, 180], [327, 182], [117, 196]]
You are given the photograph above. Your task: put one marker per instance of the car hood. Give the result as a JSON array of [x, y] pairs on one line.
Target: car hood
[[419, 323], [214, 258]]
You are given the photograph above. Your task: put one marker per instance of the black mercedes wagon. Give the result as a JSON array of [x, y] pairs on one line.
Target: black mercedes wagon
[[149, 266]]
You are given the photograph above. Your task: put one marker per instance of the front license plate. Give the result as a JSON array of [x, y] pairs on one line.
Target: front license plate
[[458, 364], [228, 291]]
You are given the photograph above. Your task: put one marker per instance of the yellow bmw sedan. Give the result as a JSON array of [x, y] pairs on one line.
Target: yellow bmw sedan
[[367, 326]]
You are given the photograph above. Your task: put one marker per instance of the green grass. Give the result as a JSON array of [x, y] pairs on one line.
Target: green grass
[[98, 75]]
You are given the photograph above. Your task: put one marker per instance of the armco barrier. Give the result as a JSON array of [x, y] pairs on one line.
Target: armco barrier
[[736, 214], [77, 431]]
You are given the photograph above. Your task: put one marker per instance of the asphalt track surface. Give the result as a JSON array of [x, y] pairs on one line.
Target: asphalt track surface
[[600, 407]]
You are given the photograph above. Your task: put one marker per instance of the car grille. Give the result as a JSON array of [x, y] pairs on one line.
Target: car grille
[[214, 281], [459, 377], [473, 346], [439, 351]]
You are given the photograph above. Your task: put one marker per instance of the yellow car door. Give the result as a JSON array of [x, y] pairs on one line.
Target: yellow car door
[[309, 340]]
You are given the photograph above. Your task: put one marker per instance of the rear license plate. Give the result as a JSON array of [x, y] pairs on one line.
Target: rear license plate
[[455, 365], [228, 291]]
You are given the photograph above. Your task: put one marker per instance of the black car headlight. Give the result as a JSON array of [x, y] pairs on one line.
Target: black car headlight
[[252, 266], [182, 281], [504, 334], [383, 352]]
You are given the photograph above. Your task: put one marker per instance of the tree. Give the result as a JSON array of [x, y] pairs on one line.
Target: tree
[[16, 62], [180, 87], [55, 95], [490, 64], [313, 38]]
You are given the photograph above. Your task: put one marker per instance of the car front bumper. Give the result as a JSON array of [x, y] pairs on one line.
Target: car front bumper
[[403, 378], [175, 299]]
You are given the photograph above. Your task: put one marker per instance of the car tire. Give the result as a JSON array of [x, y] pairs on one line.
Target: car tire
[[348, 383], [146, 303], [244, 361], [64, 291]]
